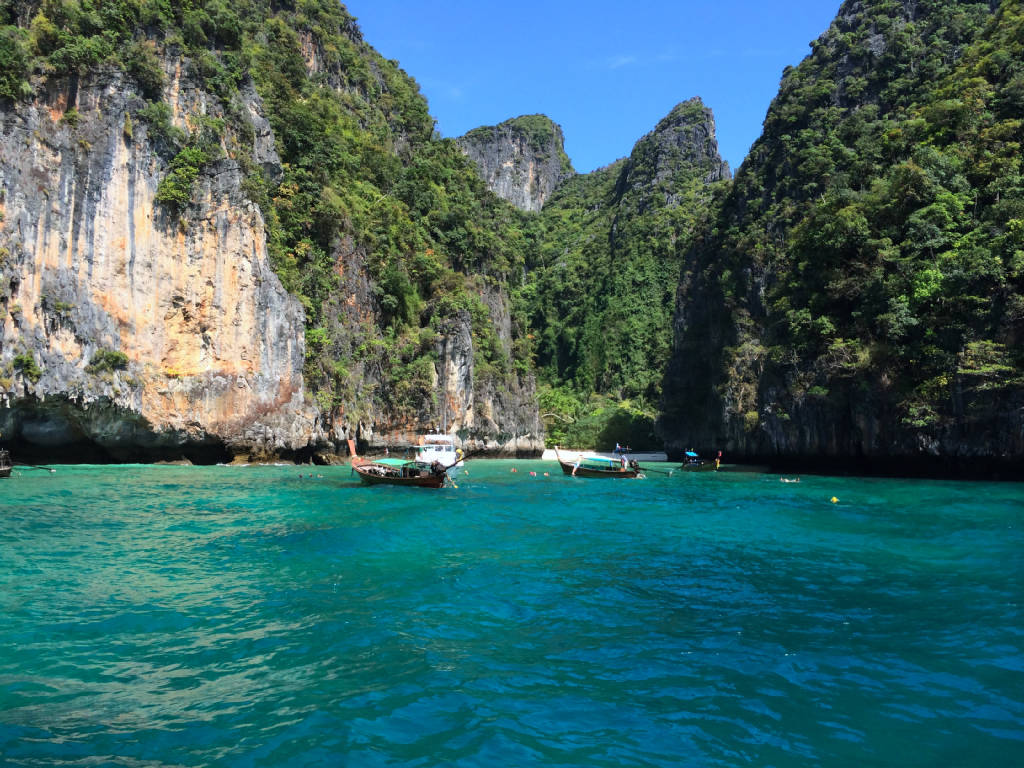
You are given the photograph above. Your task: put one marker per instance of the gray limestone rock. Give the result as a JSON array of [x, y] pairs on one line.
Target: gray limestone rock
[[522, 160]]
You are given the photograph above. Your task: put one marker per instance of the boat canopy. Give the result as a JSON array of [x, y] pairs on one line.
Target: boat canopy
[[691, 454], [600, 459], [393, 462]]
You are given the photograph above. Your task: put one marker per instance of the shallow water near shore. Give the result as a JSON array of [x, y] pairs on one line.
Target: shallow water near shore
[[287, 616]]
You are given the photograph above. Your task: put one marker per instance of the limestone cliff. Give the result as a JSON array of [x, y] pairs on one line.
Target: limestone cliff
[[820, 323], [682, 142], [522, 160], [222, 241], [500, 418], [126, 332]]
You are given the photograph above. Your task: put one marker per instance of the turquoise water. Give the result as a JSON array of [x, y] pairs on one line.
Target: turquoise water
[[244, 616]]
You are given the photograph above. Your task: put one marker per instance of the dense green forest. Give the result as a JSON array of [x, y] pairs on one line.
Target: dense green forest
[[601, 284], [858, 287], [869, 258], [365, 185]]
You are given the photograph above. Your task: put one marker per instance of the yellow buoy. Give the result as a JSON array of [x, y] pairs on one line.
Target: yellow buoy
[[835, 500]]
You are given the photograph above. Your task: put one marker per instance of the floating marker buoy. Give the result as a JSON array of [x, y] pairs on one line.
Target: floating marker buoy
[[533, 474], [546, 475], [513, 469], [835, 500]]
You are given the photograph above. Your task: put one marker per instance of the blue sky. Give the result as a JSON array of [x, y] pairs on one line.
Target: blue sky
[[607, 72]]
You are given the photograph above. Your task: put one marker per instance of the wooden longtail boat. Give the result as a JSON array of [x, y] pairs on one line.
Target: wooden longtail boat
[[592, 465], [694, 463], [388, 471], [401, 472]]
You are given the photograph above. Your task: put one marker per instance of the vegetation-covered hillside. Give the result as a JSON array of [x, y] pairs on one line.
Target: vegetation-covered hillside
[[857, 291], [366, 203], [601, 286], [862, 291]]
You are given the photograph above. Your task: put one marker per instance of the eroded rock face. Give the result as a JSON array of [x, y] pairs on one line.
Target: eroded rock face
[[499, 418], [683, 142], [92, 267], [522, 160]]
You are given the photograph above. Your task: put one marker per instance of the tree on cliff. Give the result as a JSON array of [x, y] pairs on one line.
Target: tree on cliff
[[365, 200], [867, 271]]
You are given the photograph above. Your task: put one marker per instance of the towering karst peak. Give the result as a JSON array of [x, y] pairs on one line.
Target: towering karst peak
[[522, 159], [682, 142], [682, 147]]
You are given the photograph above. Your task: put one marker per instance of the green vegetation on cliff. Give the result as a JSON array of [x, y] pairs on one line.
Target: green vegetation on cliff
[[870, 256], [601, 286], [366, 199]]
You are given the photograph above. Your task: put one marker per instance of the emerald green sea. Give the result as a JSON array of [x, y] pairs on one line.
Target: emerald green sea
[[288, 616]]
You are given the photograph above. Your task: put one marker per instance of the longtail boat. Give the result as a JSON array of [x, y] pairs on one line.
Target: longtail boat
[[388, 471], [694, 463], [593, 465], [401, 472]]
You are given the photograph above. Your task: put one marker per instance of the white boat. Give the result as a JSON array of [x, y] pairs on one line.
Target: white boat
[[439, 448]]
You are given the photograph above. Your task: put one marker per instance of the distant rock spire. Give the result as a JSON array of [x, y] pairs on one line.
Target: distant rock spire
[[681, 144], [522, 159]]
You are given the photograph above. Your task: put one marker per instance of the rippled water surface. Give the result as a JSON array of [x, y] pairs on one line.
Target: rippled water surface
[[237, 616]]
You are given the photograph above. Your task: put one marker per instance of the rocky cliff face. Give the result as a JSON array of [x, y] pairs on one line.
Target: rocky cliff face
[[522, 160], [684, 140], [134, 330], [128, 333], [499, 419], [800, 339]]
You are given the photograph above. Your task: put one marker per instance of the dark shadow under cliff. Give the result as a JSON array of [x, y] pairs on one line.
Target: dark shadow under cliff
[[63, 431]]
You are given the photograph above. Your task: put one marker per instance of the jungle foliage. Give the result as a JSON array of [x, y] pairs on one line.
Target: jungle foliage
[[601, 287], [873, 244], [367, 199]]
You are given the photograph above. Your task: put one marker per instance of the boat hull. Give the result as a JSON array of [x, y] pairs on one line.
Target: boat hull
[[373, 474], [703, 466], [570, 468]]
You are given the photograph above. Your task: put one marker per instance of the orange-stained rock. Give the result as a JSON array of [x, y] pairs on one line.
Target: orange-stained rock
[[91, 263]]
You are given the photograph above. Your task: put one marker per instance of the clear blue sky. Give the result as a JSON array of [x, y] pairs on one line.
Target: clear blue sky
[[607, 72]]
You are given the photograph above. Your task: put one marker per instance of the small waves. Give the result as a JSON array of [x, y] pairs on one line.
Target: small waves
[[244, 616]]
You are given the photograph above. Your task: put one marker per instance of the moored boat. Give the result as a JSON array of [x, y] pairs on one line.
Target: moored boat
[[593, 465], [401, 472], [439, 448], [389, 471], [5, 463], [694, 463]]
